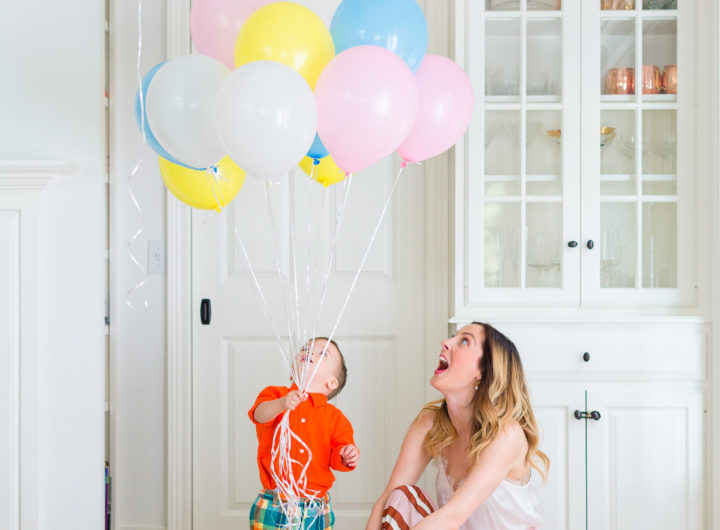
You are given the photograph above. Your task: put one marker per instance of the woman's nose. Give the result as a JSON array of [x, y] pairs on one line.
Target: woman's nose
[[445, 344]]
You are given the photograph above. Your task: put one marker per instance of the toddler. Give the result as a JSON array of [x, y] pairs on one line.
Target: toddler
[[322, 427]]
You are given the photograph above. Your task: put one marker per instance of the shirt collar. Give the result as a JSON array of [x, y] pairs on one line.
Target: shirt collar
[[316, 398]]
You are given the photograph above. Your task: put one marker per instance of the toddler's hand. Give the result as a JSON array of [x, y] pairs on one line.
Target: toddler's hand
[[293, 399], [350, 455]]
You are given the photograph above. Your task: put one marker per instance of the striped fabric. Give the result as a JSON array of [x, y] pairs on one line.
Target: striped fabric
[[266, 513], [406, 507]]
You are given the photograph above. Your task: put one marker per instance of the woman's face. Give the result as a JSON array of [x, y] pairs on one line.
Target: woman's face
[[459, 362]]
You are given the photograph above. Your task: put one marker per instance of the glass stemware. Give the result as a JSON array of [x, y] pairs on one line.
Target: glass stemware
[[610, 255]]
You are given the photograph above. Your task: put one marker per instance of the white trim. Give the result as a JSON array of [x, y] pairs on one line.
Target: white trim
[[714, 233], [32, 175], [179, 321]]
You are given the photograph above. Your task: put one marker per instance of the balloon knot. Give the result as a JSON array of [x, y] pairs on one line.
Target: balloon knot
[[316, 161], [404, 164]]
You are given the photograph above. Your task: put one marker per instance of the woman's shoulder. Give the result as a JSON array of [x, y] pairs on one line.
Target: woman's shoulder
[[426, 417]]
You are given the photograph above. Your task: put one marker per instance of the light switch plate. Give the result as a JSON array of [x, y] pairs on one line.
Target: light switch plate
[[156, 257]]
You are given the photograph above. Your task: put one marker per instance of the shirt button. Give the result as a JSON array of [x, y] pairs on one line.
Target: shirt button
[[302, 451], [302, 420]]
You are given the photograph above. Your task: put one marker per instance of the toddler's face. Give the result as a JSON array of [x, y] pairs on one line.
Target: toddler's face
[[307, 359]]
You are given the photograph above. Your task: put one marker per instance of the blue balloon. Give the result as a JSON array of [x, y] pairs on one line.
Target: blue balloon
[[396, 25], [142, 121], [317, 149]]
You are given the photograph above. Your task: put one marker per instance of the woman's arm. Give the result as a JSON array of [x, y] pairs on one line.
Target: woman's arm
[[409, 466], [491, 468]]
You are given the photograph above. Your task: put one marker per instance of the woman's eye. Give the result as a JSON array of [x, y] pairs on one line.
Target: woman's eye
[[465, 341]]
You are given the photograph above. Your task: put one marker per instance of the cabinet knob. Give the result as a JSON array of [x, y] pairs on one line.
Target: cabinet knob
[[594, 415], [573, 244], [590, 244], [586, 356]]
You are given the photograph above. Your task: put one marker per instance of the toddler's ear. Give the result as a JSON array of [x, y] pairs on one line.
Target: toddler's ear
[[332, 383]]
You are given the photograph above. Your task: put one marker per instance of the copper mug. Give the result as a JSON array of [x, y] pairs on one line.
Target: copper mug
[[650, 79], [620, 81], [617, 4], [669, 79]]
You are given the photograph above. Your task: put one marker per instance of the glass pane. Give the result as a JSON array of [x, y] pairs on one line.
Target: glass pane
[[502, 244], [544, 5], [544, 164], [659, 57], [617, 152], [617, 4], [616, 247], [660, 4], [544, 57], [660, 245], [617, 57], [502, 5], [502, 62], [502, 153], [544, 244], [659, 160]]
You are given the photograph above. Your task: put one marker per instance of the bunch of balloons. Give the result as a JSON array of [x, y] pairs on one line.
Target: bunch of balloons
[[273, 87]]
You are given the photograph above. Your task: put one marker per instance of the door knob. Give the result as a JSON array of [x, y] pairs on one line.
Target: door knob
[[590, 244], [586, 356], [573, 244], [205, 311]]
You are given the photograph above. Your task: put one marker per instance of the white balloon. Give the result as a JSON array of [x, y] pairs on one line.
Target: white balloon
[[180, 109], [267, 118]]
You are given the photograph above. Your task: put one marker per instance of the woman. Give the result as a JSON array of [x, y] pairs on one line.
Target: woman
[[483, 437]]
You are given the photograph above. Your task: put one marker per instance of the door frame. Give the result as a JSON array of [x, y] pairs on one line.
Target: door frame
[[178, 301]]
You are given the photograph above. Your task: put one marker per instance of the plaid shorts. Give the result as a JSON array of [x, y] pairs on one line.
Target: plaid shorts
[[266, 513]]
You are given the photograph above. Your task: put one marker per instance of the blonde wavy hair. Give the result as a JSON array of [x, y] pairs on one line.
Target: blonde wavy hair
[[502, 396]]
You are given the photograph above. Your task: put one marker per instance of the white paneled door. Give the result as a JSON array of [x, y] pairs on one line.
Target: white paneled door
[[236, 355]]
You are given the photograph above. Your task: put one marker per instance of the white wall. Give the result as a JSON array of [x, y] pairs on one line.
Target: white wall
[[137, 385], [51, 108]]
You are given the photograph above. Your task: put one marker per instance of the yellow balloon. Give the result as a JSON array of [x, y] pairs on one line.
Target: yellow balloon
[[198, 189], [287, 33], [326, 172]]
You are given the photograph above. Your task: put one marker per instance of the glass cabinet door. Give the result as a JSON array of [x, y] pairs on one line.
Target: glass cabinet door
[[522, 186], [633, 180]]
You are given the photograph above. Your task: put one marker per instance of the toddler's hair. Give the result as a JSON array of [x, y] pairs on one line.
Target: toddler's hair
[[342, 372]]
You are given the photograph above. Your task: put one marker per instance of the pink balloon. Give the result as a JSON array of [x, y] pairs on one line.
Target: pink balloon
[[367, 102], [446, 106], [214, 25]]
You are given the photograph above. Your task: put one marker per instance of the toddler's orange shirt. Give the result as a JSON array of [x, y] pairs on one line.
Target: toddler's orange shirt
[[318, 424]]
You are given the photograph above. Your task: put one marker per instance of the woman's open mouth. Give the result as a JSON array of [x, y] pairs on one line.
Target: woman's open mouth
[[443, 365]]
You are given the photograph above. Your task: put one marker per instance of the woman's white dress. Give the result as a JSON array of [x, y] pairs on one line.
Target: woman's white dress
[[512, 506]]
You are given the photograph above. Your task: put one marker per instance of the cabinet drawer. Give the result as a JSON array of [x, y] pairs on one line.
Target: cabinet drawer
[[631, 355]]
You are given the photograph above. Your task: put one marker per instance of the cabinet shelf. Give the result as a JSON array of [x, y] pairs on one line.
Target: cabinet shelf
[[530, 100], [669, 100], [516, 178], [607, 177]]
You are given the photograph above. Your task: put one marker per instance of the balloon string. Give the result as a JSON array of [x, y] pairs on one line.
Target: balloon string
[[133, 198], [282, 273], [331, 260], [263, 300], [362, 264], [214, 175]]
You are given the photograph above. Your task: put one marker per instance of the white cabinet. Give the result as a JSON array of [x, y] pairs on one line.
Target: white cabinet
[[645, 458], [575, 185], [621, 411]]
